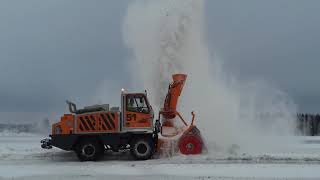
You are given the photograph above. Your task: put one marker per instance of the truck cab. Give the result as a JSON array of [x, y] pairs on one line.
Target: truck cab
[[137, 113]]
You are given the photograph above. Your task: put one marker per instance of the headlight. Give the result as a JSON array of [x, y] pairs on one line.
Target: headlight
[[69, 123], [57, 130]]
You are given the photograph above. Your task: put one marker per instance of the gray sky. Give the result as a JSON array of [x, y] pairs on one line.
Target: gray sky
[[56, 50], [275, 40]]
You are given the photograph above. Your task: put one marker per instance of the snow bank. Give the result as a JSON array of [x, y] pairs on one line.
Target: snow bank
[[22, 158]]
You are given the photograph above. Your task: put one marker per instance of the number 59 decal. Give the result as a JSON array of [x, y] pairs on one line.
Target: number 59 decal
[[131, 117]]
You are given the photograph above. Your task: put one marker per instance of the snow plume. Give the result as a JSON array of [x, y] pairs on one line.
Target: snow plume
[[158, 32], [168, 37]]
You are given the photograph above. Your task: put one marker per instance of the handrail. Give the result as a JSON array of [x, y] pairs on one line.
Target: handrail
[[72, 106]]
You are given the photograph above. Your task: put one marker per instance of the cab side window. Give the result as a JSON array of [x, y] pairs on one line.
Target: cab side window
[[137, 104]]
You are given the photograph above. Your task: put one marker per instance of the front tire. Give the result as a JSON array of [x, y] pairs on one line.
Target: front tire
[[142, 148], [89, 150]]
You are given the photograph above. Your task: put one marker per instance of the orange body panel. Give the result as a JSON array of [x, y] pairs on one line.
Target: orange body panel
[[137, 120], [99, 122], [65, 125]]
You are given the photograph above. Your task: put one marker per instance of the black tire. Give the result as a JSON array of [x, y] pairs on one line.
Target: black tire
[[142, 148], [89, 150]]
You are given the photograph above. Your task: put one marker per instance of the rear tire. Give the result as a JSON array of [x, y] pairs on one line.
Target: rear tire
[[89, 150], [142, 148]]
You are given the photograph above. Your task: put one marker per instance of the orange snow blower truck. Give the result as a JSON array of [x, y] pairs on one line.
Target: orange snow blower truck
[[92, 130]]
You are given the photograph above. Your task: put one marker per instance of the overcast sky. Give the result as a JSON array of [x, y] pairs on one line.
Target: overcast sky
[[51, 51]]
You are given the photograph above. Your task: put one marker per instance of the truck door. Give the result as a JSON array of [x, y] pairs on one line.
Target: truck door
[[137, 112]]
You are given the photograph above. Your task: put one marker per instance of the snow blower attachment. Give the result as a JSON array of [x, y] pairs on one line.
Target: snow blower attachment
[[186, 139]]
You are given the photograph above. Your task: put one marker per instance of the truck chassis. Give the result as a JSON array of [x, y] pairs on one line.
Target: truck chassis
[[90, 147]]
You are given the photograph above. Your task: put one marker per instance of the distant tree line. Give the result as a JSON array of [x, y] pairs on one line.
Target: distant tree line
[[17, 128], [308, 124], [36, 127]]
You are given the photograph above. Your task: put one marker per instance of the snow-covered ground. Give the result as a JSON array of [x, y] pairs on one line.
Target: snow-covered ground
[[22, 158]]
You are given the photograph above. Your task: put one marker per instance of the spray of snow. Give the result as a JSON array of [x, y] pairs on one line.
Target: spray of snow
[[168, 37]]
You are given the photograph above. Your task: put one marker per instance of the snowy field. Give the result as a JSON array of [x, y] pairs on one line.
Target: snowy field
[[22, 158]]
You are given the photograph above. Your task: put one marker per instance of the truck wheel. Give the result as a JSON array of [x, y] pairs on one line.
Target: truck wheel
[[142, 148], [89, 150]]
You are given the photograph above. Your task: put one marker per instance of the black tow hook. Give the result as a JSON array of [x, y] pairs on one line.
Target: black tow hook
[[46, 144]]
